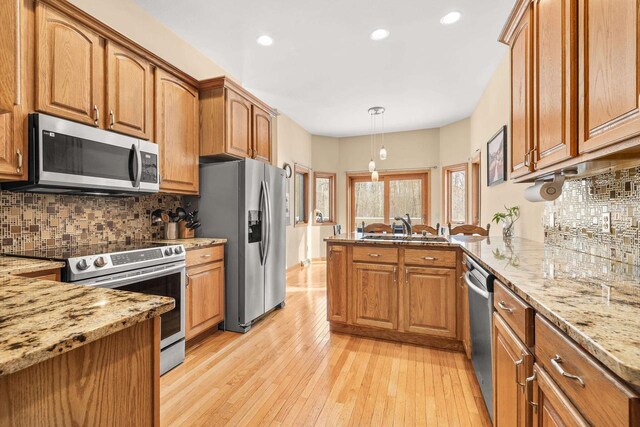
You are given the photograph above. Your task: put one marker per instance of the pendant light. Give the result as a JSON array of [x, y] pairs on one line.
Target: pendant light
[[374, 112]]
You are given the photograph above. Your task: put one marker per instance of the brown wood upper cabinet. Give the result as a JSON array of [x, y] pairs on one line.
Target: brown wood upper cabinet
[[555, 85], [521, 88], [10, 47], [129, 92], [233, 123], [69, 68], [609, 72], [176, 133]]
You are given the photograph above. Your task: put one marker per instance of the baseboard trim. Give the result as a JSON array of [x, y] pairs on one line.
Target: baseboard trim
[[318, 260], [397, 336]]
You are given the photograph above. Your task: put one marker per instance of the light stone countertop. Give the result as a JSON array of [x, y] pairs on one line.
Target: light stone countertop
[[16, 265], [594, 300]]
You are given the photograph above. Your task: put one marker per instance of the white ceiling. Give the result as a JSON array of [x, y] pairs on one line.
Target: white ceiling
[[324, 71]]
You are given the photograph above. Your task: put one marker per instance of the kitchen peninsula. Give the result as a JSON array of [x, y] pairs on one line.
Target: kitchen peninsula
[[76, 355], [398, 289]]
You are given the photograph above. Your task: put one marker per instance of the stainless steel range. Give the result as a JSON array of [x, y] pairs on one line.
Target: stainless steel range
[[143, 268]]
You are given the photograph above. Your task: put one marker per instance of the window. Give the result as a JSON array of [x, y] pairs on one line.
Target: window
[[301, 199], [324, 207], [393, 195], [454, 193], [475, 189]]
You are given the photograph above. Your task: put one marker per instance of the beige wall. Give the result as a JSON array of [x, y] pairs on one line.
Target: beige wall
[[492, 112], [135, 23], [294, 146]]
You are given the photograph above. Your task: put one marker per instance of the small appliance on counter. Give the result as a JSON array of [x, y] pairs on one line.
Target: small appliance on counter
[[244, 202], [71, 158]]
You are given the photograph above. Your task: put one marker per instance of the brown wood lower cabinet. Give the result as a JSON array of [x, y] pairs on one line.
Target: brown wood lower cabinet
[[512, 364], [551, 406], [44, 275], [429, 301], [370, 292], [205, 291], [375, 295]]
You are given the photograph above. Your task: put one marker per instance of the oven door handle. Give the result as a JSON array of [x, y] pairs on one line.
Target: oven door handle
[[474, 287], [123, 281]]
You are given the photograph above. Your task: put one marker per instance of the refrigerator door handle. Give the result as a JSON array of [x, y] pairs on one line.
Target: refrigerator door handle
[[268, 222], [263, 218]]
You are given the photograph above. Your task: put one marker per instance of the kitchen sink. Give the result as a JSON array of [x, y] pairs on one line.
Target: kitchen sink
[[403, 238]]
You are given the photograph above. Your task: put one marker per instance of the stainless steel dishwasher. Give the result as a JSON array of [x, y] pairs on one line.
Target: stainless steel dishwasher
[[480, 283]]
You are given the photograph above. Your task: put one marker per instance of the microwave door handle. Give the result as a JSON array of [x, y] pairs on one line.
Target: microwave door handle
[[136, 149]]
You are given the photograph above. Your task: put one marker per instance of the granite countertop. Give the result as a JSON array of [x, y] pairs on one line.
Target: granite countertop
[[40, 319], [594, 300], [197, 242], [15, 265]]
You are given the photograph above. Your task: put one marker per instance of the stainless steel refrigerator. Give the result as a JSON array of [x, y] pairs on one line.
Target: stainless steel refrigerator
[[244, 201]]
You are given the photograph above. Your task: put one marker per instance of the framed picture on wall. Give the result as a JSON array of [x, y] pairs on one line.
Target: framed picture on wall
[[497, 158]]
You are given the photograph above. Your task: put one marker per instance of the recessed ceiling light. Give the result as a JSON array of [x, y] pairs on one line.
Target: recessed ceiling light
[[451, 18], [379, 34], [264, 40]]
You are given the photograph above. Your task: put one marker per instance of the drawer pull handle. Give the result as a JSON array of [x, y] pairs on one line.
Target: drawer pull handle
[[517, 365], [505, 307], [374, 255], [206, 256], [429, 258], [528, 393], [556, 361]]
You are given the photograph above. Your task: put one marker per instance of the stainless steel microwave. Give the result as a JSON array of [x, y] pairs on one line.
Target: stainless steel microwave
[[68, 157]]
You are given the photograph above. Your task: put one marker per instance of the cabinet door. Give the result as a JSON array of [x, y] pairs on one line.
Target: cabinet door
[[375, 295], [551, 408], [177, 134], [261, 135], [9, 54], [521, 78], [69, 68], [429, 301], [238, 125], [609, 73], [12, 152], [205, 298], [512, 364], [129, 92], [555, 76], [337, 283]]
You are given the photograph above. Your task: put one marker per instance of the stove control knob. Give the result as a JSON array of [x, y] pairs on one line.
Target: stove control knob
[[100, 262], [178, 250], [168, 251], [82, 264]]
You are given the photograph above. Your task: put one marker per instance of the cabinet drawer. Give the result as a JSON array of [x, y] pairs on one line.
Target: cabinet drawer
[[375, 254], [204, 255], [430, 258], [598, 394], [517, 313]]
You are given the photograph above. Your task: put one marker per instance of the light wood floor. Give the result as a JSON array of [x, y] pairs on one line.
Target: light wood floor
[[290, 370]]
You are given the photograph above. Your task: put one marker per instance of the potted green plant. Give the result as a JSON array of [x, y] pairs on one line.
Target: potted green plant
[[508, 218]]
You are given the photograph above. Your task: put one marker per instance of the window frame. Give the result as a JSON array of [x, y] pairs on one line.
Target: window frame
[[332, 197], [385, 177], [298, 169], [476, 188], [446, 191]]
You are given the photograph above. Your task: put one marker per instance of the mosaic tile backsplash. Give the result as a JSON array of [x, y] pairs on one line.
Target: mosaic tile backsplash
[[36, 221], [578, 216]]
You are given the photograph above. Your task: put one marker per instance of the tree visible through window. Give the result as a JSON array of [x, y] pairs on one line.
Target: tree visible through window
[[324, 201], [393, 195], [455, 193], [301, 196]]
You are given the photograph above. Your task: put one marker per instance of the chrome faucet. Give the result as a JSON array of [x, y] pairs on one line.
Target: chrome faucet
[[406, 224]]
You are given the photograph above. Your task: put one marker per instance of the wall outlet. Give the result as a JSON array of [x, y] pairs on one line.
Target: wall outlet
[[606, 222]]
